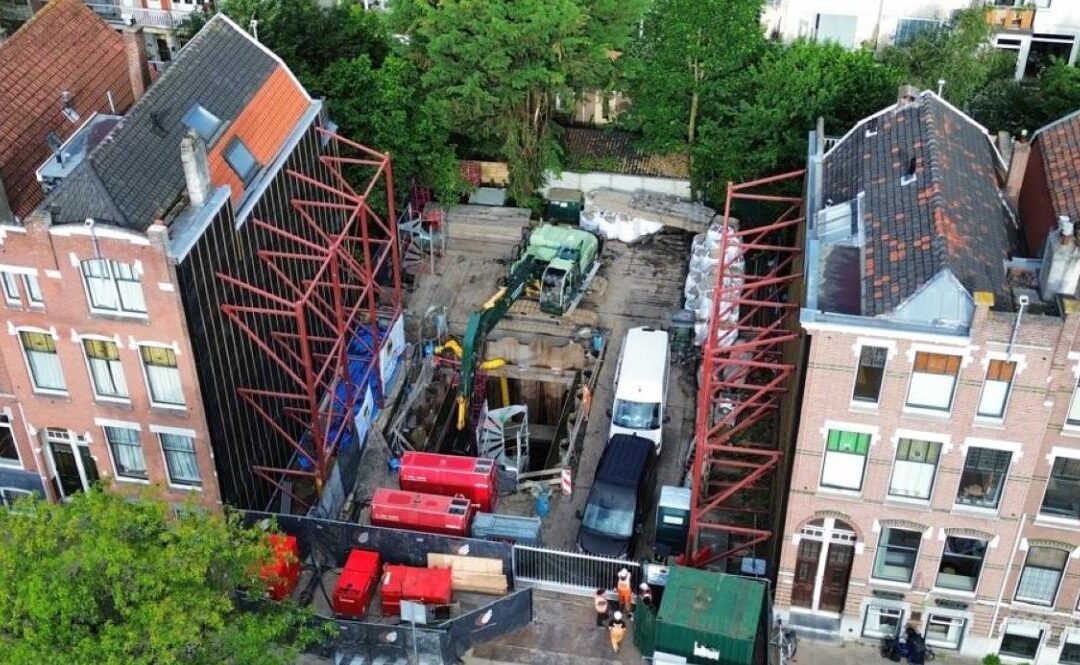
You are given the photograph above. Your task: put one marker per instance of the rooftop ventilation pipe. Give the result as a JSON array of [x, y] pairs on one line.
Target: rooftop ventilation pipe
[[196, 169]]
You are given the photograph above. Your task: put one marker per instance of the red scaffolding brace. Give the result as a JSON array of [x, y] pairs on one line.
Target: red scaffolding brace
[[745, 375], [325, 293]]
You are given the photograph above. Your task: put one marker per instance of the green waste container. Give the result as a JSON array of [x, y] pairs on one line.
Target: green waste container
[[564, 205]]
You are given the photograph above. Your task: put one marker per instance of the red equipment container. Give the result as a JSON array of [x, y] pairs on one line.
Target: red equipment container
[[282, 574], [356, 584], [421, 512], [430, 586], [451, 475]]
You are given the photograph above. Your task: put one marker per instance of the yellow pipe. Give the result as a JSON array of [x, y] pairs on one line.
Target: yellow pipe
[[450, 345], [460, 412], [493, 363], [494, 299], [487, 364], [504, 388]]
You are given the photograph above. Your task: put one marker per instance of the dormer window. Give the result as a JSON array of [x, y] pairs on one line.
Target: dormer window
[[242, 161], [202, 122], [909, 172]]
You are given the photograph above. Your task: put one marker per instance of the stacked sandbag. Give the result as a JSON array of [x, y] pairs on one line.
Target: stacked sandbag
[[613, 225], [702, 276]]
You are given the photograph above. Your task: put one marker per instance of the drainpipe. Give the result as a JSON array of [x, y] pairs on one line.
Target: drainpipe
[[1008, 571]]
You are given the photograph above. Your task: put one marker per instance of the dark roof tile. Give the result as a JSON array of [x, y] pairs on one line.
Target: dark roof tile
[[613, 151]]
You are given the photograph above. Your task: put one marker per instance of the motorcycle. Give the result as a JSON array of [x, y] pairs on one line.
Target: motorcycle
[[911, 646]]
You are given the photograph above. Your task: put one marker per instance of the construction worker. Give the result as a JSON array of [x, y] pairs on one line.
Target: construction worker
[[586, 400], [625, 591], [645, 593], [617, 630], [601, 605]]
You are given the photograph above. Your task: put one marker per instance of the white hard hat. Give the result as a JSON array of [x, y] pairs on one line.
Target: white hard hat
[[624, 573], [644, 586], [618, 615]]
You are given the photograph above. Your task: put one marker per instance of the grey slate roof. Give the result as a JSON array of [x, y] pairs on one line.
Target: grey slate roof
[[135, 175], [951, 218]]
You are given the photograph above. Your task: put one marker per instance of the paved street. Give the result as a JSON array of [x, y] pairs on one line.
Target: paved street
[[814, 652]]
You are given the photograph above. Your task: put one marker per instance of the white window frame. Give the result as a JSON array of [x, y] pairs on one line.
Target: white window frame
[[923, 408], [1015, 451], [1070, 637], [1008, 390], [26, 361], [1056, 453], [17, 463], [114, 283], [158, 430], [146, 376], [5, 499], [942, 617], [879, 549], [1023, 631], [90, 372], [854, 428], [941, 562], [116, 424], [1060, 582], [890, 351], [932, 437], [900, 612], [19, 285]]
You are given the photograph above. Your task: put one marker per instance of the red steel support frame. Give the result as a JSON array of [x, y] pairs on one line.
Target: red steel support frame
[[744, 381], [339, 297]]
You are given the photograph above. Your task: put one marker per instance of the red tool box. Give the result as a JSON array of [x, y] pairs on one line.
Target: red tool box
[[283, 572], [430, 586], [421, 512], [356, 584], [451, 475]]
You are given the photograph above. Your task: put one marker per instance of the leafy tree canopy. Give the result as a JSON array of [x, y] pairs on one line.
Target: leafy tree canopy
[[104, 579], [680, 68], [960, 53], [1029, 104], [494, 67], [779, 100]]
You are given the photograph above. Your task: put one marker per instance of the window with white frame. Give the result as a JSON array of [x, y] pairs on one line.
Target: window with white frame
[[945, 631], [869, 375], [897, 552], [996, 387], [127, 452], [113, 287], [961, 563], [845, 459], [1062, 498], [180, 460], [882, 621], [46, 373], [9, 452], [933, 381], [1073, 417], [983, 478], [162, 375], [1070, 650], [106, 370], [21, 289], [914, 470], [1041, 577], [907, 29], [1020, 641], [9, 495]]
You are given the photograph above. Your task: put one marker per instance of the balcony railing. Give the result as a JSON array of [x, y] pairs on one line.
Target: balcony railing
[[108, 11], [151, 18], [1011, 18]]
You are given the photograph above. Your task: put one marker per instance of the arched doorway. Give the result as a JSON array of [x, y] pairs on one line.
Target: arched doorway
[[823, 565]]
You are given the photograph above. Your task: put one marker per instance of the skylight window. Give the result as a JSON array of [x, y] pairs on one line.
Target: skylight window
[[203, 122], [242, 161]]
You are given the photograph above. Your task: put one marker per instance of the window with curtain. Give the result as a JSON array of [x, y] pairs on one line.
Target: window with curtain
[[106, 370], [45, 370], [869, 374], [1062, 498], [1041, 576], [898, 550], [961, 563], [914, 470], [9, 454], [995, 392], [845, 460], [180, 459], [162, 375], [113, 287], [933, 381], [983, 477], [127, 452]]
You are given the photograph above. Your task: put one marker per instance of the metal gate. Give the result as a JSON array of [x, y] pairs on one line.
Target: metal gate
[[569, 572]]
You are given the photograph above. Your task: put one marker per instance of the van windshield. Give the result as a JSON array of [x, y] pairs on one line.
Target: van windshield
[[636, 415], [608, 519]]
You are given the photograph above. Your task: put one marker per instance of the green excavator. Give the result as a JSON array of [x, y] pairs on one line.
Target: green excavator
[[563, 259]]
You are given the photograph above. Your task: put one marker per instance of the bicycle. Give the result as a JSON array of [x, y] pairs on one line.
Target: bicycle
[[786, 641]]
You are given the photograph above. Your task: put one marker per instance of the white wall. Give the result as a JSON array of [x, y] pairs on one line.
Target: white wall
[[587, 182], [797, 18]]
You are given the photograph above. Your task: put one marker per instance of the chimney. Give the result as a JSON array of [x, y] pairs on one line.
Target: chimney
[[1060, 273], [196, 169], [908, 94], [1014, 181], [138, 66]]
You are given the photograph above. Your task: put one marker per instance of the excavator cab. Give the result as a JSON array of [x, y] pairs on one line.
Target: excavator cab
[[559, 282]]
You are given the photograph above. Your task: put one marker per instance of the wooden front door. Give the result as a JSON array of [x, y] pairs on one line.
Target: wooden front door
[[834, 586], [806, 565]]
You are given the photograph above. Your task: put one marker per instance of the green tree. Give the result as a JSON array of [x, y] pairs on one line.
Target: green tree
[[496, 66], [959, 52], [386, 109], [104, 579], [678, 70], [1029, 104], [780, 98]]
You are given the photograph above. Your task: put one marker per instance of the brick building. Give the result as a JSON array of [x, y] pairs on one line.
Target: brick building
[[141, 291], [936, 477]]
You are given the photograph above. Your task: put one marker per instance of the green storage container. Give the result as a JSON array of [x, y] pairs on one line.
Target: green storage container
[[564, 205], [712, 618]]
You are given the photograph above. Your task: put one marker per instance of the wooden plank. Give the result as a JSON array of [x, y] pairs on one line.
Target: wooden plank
[[472, 564], [478, 583]]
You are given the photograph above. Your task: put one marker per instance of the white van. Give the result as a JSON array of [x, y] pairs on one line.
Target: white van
[[641, 383]]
